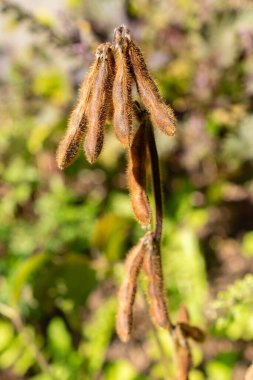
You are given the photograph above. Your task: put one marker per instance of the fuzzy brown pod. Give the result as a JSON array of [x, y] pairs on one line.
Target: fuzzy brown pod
[[122, 90], [183, 314], [153, 270], [99, 106], [71, 142], [137, 176], [192, 332], [249, 373], [127, 292], [162, 115], [189, 331]]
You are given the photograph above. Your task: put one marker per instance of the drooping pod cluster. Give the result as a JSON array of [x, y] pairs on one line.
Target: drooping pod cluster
[[132, 67], [106, 94], [145, 255], [88, 118], [71, 142]]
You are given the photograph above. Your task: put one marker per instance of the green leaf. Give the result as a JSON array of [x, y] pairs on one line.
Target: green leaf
[[52, 84], [122, 370], [25, 270], [216, 370], [59, 337], [247, 244], [78, 276], [98, 334], [68, 278], [110, 235], [6, 334]]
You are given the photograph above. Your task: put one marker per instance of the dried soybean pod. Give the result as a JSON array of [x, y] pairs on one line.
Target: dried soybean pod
[[189, 331], [122, 90], [161, 114], [127, 292], [137, 176], [111, 75], [153, 270], [99, 105], [70, 144], [193, 332], [183, 315]]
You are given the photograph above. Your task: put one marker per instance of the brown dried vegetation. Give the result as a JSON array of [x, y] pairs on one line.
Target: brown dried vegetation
[[137, 176], [122, 91], [107, 93], [71, 142], [153, 270], [98, 108], [127, 291], [161, 114]]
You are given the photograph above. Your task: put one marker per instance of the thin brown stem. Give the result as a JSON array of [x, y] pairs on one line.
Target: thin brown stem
[[142, 115], [181, 344], [156, 182], [183, 356]]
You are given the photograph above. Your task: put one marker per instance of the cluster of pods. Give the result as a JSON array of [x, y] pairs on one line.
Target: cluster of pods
[[106, 95], [146, 255]]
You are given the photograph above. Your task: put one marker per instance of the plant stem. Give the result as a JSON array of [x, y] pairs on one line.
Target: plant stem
[[183, 353], [13, 315], [156, 182]]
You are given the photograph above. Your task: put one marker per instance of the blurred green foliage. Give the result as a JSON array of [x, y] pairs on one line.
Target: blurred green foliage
[[64, 236]]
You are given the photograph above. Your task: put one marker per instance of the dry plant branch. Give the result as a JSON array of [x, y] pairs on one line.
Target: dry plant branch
[[105, 94]]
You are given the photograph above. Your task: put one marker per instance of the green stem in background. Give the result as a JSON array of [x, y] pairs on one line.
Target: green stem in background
[[13, 315]]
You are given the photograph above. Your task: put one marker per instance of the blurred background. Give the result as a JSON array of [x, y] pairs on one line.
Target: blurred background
[[64, 235]]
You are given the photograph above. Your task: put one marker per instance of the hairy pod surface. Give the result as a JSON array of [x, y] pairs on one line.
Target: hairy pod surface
[[183, 315], [189, 331], [153, 270], [70, 144], [127, 292], [122, 91], [192, 332], [99, 106], [161, 114], [137, 176]]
